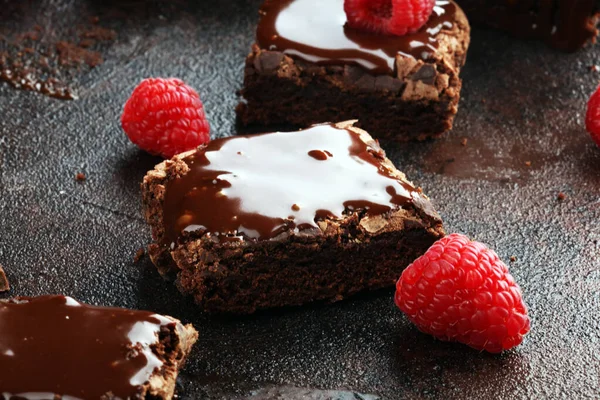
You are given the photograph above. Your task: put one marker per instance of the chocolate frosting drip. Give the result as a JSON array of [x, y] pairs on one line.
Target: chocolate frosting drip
[[315, 31], [256, 187], [54, 346]]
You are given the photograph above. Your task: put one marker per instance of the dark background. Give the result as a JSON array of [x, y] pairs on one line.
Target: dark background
[[522, 102]]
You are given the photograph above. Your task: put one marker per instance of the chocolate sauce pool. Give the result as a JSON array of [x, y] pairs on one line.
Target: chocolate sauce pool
[[54, 345], [315, 31], [256, 187]]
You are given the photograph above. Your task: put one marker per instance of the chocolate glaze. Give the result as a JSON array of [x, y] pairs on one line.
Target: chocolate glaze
[[53, 345], [315, 31], [256, 187]]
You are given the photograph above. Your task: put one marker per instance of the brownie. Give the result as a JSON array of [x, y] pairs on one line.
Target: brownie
[[564, 24], [285, 218], [4, 284], [57, 348], [305, 70]]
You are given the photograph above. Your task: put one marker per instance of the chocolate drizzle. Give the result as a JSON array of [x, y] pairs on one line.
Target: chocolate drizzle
[[54, 345], [256, 187], [315, 31]]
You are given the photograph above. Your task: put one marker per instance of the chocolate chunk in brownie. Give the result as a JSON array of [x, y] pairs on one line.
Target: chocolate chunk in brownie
[[305, 70], [252, 222], [58, 348]]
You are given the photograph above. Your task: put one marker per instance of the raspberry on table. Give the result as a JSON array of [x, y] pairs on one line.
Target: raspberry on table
[[459, 290], [592, 117], [165, 117], [392, 17]]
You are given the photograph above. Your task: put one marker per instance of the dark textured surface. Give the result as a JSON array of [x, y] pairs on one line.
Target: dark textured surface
[[521, 102]]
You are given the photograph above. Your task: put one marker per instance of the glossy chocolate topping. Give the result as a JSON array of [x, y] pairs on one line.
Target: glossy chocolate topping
[[255, 187], [315, 31], [54, 345]]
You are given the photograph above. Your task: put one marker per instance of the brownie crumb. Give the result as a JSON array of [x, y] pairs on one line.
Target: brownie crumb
[[464, 141], [139, 254], [80, 177], [100, 34], [561, 196], [38, 60], [4, 285], [513, 258], [69, 54]]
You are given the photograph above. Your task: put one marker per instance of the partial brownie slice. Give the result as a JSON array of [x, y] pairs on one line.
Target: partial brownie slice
[[307, 67], [252, 222], [53, 347], [564, 24], [4, 284]]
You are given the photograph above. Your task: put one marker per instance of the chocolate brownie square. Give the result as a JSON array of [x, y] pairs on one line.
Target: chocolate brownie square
[[252, 222], [54, 347], [307, 67], [564, 24]]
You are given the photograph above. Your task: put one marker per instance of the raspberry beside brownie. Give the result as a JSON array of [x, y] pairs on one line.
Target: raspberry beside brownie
[[307, 67], [53, 347], [252, 222]]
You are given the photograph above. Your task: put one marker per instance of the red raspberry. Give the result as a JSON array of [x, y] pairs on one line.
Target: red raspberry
[[461, 291], [165, 117], [592, 117], [392, 17]]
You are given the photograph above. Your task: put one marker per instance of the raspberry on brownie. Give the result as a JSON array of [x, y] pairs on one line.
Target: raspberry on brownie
[[313, 63], [252, 222], [54, 347]]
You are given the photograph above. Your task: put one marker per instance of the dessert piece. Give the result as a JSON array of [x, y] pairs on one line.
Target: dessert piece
[[461, 291], [53, 347], [252, 222], [4, 284], [308, 67], [165, 117], [592, 116], [565, 24]]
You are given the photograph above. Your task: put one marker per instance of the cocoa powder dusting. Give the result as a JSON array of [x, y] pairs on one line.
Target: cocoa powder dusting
[[99, 33], [37, 60], [70, 54]]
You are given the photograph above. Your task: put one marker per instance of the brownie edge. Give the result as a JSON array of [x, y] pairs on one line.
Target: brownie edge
[[128, 354], [341, 257], [419, 101], [176, 343]]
